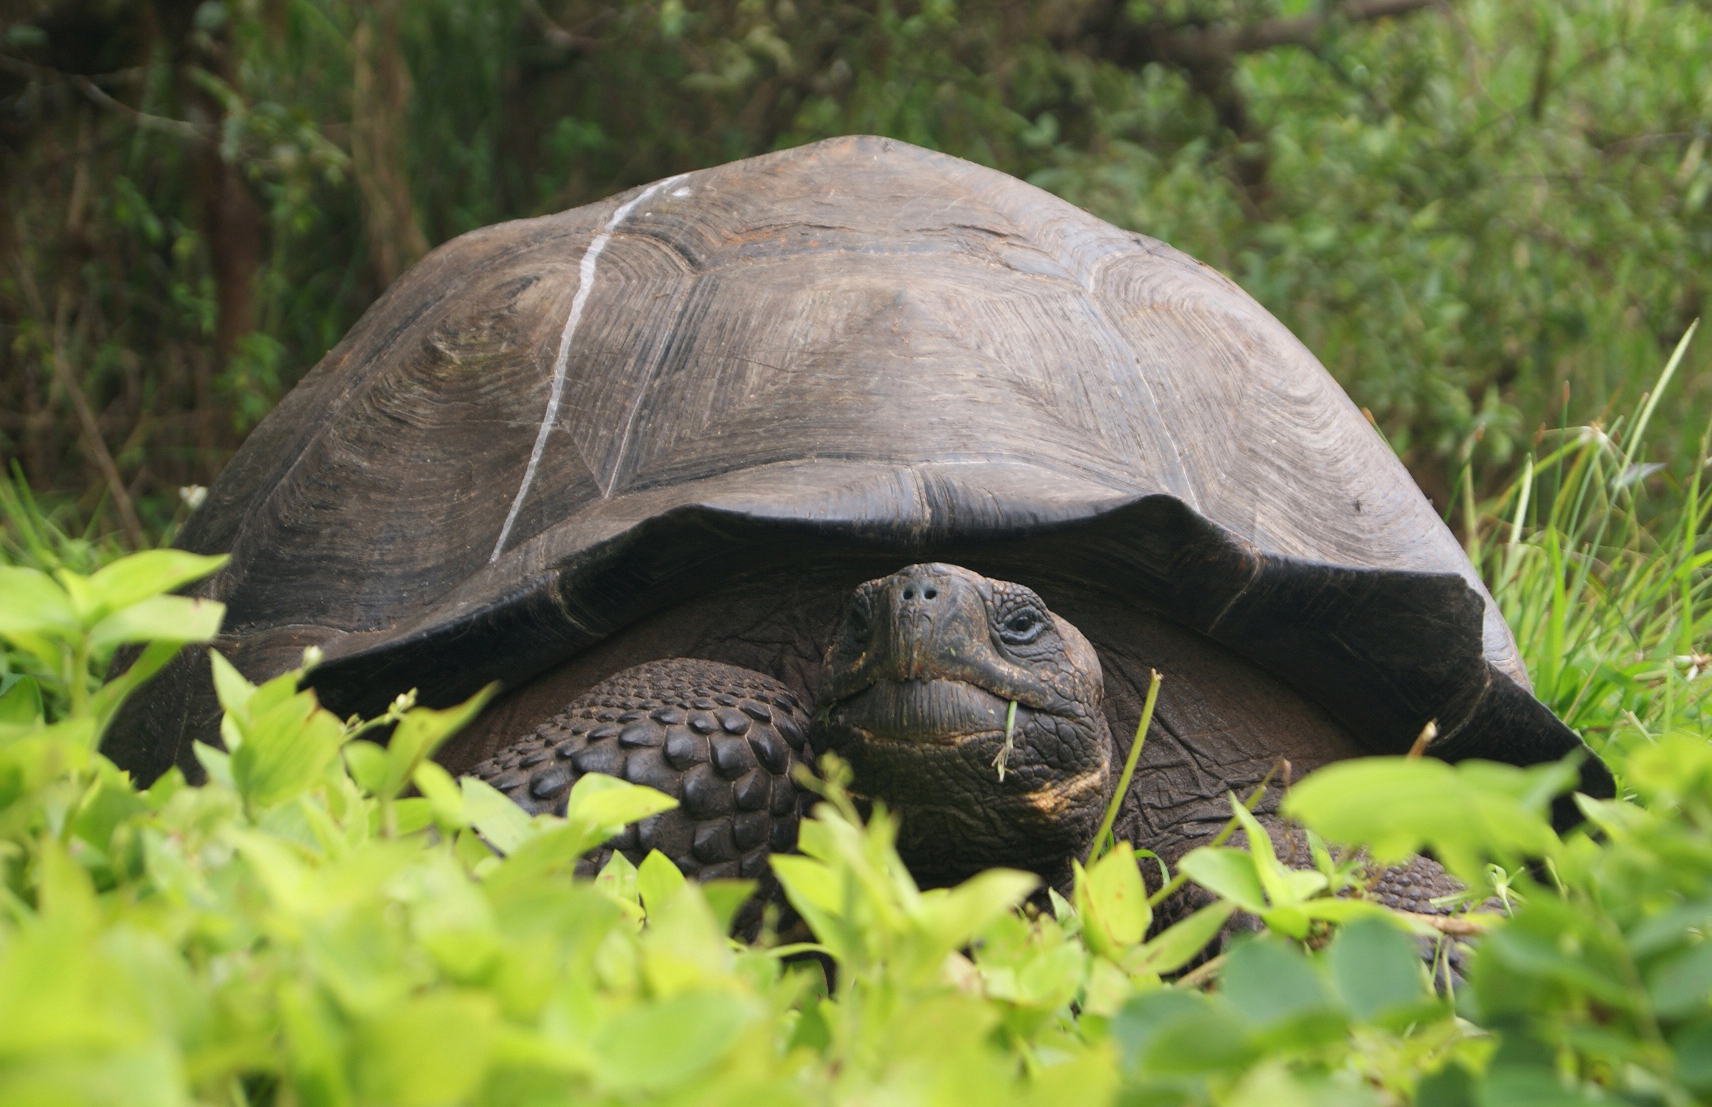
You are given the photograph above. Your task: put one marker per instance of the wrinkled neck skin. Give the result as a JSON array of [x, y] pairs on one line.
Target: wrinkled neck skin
[[976, 714]]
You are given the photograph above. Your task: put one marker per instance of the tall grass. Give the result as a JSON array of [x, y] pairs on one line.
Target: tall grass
[[1600, 561]]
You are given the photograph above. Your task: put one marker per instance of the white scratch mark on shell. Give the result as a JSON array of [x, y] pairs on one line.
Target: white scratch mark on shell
[[585, 285]]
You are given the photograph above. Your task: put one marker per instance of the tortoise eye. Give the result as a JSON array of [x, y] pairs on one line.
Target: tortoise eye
[[1022, 627]]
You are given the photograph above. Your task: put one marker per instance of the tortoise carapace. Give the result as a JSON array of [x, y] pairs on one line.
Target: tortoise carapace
[[689, 422]]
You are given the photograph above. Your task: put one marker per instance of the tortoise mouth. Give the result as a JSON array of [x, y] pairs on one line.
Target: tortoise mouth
[[923, 712]]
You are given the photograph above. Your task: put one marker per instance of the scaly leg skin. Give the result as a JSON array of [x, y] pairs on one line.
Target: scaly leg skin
[[721, 740]]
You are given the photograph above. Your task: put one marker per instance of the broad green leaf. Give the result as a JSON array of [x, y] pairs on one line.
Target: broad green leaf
[[285, 751], [418, 734], [435, 1049], [657, 880], [230, 687], [288, 879], [1661, 930], [1398, 806], [1182, 941], [1112, 901], [1226, 872], [1682, 985], [955, 916], [1291, 918], [217, 763], [683, 947], [819, 896], [725, 897], [109, 802], [607, 804], [504, 824], [698, 1029], [1169, 1032], [1692, 1045], [1560, 948], [368, 765], [31, 602], [146, 574], [410, 814], [20, 707], [84, 604], [1266, 866], [153, 658], [66, 746], [441, 791], [1377, 970], [1270, 983]]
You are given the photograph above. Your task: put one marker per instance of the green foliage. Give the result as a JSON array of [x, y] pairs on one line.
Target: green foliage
[[1607, 583], [317, 928], [333, 920], [1602, 979]]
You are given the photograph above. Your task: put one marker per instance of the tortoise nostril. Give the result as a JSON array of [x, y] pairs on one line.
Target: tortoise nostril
[[909, 593], [929, 593]]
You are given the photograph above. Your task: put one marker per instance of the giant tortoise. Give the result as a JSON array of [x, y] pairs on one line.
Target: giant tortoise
[[856, 447]]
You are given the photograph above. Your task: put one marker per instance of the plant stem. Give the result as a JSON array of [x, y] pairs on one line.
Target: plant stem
[[1098, 848]]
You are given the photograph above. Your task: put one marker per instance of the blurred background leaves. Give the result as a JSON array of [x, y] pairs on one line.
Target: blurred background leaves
[[1464, 207]]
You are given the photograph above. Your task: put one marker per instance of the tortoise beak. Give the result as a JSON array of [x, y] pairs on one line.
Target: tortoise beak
[[925, 614]]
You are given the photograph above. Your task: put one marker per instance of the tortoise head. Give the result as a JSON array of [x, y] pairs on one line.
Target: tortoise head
[[973, 711]]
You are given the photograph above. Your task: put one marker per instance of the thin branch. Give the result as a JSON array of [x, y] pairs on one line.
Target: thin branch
[[178, 128], [1455, 926], [1223, 43]]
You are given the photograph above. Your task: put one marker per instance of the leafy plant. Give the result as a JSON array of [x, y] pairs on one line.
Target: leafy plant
[[333, 919]]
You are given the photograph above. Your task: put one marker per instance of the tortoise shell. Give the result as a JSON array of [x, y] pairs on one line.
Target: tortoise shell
[[849, 355]]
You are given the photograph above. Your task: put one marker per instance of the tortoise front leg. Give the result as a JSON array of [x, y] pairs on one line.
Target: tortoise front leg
[[1412, 886], [719, 739]]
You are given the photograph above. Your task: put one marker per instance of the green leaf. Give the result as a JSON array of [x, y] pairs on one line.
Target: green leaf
[[1266, 866], [1112, 901], [1276, 988], [32, 603], [217, 763], [1171, 1032], [955, 916], [20, 707], [697, 1029], [159, 619], [1182, 941], [1464, 814], [1377, 969], [504, 824], [286, 744], [1226, 872], [818, 896], [147, 574], [435, 1049], [606, 805], [1692, 1045], [153, 658], [1682, 985], [439, 788], [418, 734], [657, 880], [368, 765]]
